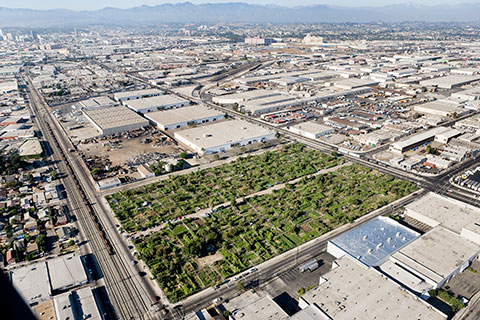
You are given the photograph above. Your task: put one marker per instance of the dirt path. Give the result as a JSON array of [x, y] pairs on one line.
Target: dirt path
[[204, 212]]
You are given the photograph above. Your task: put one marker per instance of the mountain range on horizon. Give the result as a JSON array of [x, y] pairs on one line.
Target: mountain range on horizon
[[236, 12]]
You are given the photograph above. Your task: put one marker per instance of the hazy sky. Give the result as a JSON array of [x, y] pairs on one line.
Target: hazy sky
[[97, 4]]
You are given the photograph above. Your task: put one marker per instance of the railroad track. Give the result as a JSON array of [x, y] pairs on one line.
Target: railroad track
[[124, 290]]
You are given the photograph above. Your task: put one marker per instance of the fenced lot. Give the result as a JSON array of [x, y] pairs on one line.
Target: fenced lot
[[197, 253], [144, 207]]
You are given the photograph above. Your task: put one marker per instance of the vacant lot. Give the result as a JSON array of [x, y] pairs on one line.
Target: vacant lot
[[261, 227], [144, 207]]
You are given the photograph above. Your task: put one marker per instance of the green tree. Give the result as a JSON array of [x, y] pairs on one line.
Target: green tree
[[53, 175], [431, 150], [41, 241], [241, 286]]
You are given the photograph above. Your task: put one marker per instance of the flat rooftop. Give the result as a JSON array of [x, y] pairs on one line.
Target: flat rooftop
[[437, 253], [374, 241], [30, 147], [265, 309], [114, 117], [267, 101], [418, 137], [66, 272], [154, 102], [245, 96], [181, 115], [405, 277], [443, 106], [32, 282], [312, 127], [439, 210], [354, 83], [97, 101], [450, 81], [352, 291], [144, 92], [472, 91], [78, 304], [223, 133], [312, 312]]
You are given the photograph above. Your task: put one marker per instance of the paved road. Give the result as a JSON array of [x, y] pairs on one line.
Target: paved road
[[286, 261], [270, 268], [439, 183], [128, 296]]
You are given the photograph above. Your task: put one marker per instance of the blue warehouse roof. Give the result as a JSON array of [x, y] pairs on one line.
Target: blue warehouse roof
[[374, 241]]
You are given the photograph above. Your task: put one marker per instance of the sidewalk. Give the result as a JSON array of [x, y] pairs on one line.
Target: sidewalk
[[291, 254]]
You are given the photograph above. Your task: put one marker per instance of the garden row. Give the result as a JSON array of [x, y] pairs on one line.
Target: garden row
[[241, 236], [144, 207]]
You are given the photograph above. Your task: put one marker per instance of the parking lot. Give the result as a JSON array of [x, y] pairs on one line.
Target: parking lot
[[292, 280], [467, 283]]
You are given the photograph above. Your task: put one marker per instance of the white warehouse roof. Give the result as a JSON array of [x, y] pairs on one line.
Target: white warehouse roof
[[450, 81], [265, 309], [433, 210], [66, 272], [181, 115], [310, 127], [97, 102], [223, 134], [353, 291], [136, 93], [78, 304], [441, 108], [165, 101], [353, 83], [437, 254], [244, 96], [400, 145], [32, 282]]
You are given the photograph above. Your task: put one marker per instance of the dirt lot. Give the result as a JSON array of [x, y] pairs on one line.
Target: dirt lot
[[125, 150], [209, 260]]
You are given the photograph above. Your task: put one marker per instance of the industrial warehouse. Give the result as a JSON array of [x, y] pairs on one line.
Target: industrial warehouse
[[249, 171], [113, 120], [437, 256], [417, 140], [440, 108], [352, 290], [77, 304], [372, 242], [156, 103], [449, 82], [136, 94], [311, 129], [223, 136], [38, 282], [181, 117]]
